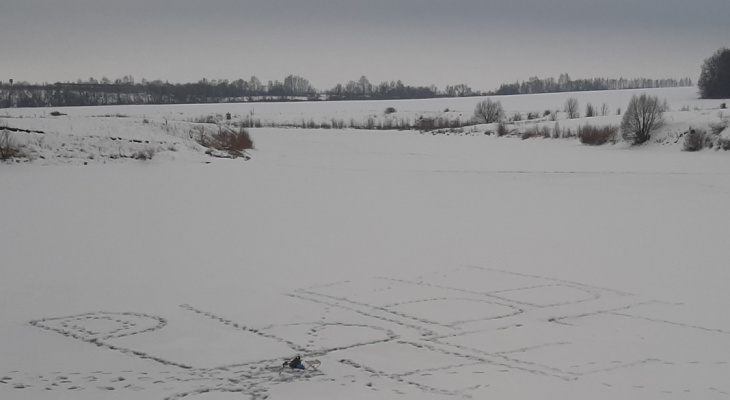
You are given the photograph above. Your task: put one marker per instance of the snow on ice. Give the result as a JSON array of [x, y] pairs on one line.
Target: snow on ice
[[411, 265]]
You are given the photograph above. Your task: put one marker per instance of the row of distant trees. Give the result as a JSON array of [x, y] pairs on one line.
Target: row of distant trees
[[126, 90], [565, 84]]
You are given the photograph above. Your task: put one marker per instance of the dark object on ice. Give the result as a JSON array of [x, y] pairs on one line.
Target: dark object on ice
[[295, 363]]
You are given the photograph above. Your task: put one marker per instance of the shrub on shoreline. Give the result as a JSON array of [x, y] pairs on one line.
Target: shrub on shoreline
[[596, 136]]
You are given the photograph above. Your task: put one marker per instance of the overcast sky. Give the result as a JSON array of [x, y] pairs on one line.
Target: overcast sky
[[482, 43]]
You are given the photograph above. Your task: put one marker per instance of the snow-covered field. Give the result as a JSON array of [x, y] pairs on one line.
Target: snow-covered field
[[411, 265]]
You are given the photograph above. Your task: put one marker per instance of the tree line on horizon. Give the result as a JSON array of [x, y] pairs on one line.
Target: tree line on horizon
[[126, 90], [535, 85]]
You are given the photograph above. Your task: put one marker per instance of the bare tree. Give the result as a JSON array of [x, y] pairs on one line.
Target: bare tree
[[364, 85], [352, 88], [488, 111], [590, 110], [255, 85], [571, 108], [297, 86], [459, 90], [604, 109], [642, 116]]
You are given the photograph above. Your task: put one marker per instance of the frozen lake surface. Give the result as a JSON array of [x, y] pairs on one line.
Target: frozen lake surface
[[410, 265]]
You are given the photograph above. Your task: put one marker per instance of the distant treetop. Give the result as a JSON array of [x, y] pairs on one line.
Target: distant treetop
[[714, 82]]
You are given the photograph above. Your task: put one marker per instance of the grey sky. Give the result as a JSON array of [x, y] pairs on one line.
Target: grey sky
[[422, 42]]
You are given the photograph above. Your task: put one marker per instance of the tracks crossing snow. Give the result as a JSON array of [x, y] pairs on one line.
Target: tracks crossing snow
[[426, 332]]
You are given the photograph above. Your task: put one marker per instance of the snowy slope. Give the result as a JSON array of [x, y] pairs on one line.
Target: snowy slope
[[110, 133], [411, 265]]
